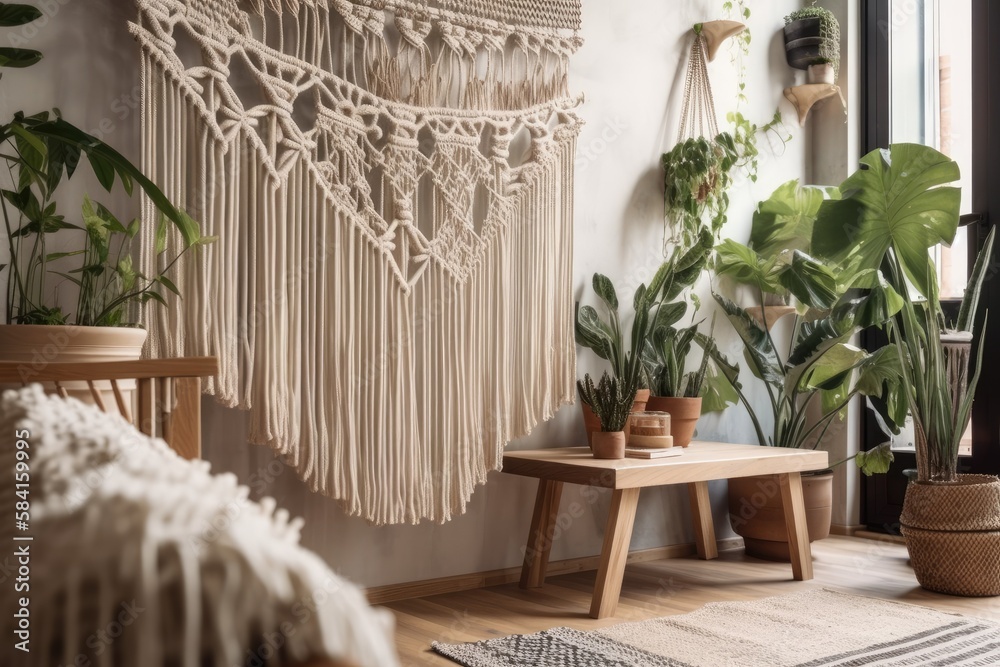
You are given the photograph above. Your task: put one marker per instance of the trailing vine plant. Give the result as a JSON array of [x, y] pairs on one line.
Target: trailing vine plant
[[744, 132], [739, 11]]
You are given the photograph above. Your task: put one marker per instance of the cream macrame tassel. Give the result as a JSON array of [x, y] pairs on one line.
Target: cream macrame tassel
[[390, 293]]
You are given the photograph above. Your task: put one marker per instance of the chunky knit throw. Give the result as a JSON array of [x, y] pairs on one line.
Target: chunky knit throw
[[139, 557]]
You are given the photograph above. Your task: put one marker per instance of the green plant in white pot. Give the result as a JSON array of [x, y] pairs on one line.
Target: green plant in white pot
[[89, 251], [896, 208]]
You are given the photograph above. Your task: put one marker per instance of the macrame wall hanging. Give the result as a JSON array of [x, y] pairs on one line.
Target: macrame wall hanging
[[391, 184]]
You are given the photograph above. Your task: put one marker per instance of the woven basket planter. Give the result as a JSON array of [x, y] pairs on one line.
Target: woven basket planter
[[952, 532]]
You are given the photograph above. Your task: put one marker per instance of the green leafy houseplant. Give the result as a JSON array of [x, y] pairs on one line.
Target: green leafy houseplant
[[696, 179], [605, 337], [39, 151], [669, 347], [821, 370], [894, 211]]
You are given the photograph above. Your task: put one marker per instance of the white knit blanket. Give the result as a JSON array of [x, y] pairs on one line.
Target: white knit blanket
[[139, 557]]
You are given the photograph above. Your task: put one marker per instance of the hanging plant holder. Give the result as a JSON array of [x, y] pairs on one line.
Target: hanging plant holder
[[717, 32], [697, 169]]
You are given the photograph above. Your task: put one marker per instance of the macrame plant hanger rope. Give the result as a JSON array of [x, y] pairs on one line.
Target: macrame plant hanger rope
[[391, 185], [698, 108]]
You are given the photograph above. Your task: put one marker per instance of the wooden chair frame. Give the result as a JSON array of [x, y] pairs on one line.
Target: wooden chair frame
[[168, 392]]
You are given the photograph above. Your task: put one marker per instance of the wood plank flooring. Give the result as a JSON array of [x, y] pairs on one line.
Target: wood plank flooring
[[662, 588]]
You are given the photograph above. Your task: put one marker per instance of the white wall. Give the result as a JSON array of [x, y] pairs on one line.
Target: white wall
[[630, 71]]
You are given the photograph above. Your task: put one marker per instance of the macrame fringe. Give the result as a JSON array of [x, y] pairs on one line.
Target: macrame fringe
[[389, 297]]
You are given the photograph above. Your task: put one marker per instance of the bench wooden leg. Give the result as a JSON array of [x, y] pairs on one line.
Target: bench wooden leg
[[614, 553], [795, 522], [701, 515], [540, 535]]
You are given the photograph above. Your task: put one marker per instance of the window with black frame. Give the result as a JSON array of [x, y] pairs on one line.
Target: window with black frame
[[929, 77]]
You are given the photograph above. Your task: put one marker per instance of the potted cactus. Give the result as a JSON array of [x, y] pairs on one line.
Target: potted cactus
[[611, 400]]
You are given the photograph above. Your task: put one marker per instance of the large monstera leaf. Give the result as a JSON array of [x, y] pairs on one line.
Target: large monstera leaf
[[899, 199], [785, 220]]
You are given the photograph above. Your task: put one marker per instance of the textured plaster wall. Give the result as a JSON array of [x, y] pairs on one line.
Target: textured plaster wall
[[630, 70]]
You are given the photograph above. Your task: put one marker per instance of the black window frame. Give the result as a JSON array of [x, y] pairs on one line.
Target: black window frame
[[882, 495]]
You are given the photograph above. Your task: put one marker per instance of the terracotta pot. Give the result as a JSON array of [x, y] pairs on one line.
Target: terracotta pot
[[952, 534], [684, 416], [641, 398], [757, 515], [609, 445], [591, 423], [37, 345]]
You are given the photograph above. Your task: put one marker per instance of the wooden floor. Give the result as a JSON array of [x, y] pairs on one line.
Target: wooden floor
[[662, 588]]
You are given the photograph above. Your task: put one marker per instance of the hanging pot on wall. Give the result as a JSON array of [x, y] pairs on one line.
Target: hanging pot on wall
[[758, 515], [952, 533], [802, 42], [684, 416]]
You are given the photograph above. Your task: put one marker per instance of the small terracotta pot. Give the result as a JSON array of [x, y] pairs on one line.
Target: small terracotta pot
[[684, 416], [609, 445], [591, 423]]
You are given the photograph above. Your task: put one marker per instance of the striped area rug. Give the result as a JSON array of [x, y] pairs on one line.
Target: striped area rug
[[818, 628]]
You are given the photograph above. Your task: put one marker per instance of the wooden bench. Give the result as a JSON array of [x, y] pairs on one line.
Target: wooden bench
[[699, 464]]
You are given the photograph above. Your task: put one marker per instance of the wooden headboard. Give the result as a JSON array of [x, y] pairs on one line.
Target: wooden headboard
[[168, 392]]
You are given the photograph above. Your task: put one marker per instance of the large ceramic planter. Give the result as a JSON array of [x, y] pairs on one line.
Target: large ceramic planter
[[684, 415], [952, 533], [592, 424], [35, 346], [757, 514], [609, 445]]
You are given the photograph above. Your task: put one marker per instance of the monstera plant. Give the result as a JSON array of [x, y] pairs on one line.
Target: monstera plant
[[894, 210], [807, 381]]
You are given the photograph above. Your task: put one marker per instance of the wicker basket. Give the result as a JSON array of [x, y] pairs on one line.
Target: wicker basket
[[952, 533]]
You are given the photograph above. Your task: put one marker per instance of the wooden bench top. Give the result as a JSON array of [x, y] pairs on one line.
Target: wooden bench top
[[701, 462]]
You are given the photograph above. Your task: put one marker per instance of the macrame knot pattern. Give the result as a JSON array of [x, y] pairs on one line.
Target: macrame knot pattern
[[390, 294]]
